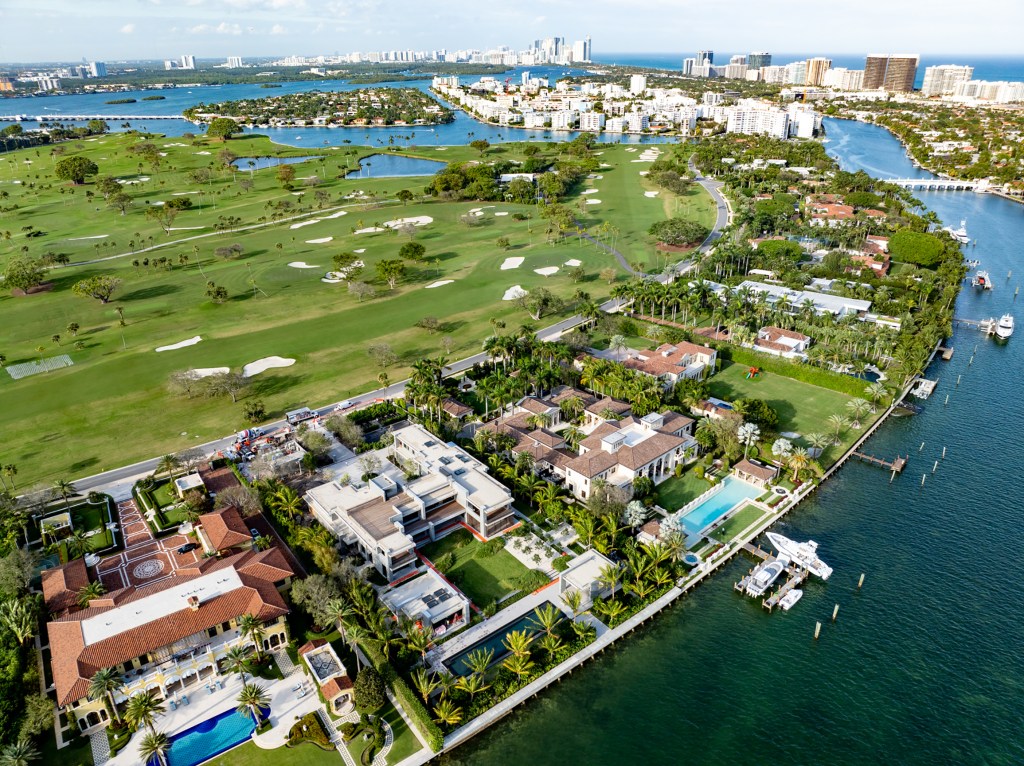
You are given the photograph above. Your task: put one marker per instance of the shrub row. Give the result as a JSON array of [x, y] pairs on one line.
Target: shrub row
[[805, 373], [409, 701]]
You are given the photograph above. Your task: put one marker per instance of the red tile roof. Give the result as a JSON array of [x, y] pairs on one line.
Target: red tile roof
[[218, 479], [309, 646], [61, 585], [762, 472], [336, 686], [225, 528]]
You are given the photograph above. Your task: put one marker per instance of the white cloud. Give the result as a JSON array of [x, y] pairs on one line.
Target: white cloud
[[221, 29], [127, 29], [277, 29]]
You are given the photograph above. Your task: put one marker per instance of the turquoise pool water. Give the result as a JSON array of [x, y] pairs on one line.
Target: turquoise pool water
[[457, 664], [712, 509], [209, 738]]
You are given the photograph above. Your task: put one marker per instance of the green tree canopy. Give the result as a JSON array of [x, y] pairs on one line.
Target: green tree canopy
[[222, 128], [99, 287], [75, 169], [678, 231], [412, 251], [908, 246], [23, 273]]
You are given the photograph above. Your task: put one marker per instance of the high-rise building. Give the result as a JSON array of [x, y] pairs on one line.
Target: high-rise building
[[894, 72], [188, 62], [705, 57], [796, 73], [637, 84], [688, 65], [739, 58], [816, 68], [943, 80], [759, 59], [844, 79], [99, 69], [234, 62]]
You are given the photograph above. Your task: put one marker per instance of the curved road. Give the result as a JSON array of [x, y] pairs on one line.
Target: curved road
[[724, 212]]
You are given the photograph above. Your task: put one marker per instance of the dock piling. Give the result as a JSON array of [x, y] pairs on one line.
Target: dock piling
[[958, 381], [921, 447], [946, 403], [943, 453], [860, 582], [923, 477], [817, 630], [835, 612], [935, 467]]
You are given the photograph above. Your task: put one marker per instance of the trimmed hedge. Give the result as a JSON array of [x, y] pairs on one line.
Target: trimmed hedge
[[406, 697], [805, 373]]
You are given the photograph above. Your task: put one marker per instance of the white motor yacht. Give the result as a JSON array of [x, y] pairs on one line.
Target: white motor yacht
[[763, 576], [789, 600], [1004, 328], [802, 554]]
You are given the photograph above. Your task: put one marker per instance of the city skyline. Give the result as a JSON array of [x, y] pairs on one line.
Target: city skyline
[[57, 30]]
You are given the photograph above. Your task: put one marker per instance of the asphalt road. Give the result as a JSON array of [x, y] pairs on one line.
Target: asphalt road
[[723, 212]]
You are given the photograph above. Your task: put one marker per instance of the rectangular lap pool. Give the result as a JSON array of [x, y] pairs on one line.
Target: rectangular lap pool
[[527, 622], [716, 506], [209, 738]]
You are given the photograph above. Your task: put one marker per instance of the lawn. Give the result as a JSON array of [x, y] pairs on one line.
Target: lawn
[[78, 753], [483, 580], [305, 754], [736, 523], [801, 407], [672, 494], [405, 743]]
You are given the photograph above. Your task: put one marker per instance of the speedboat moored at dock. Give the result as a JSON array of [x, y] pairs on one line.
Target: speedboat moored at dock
[[802, 554]]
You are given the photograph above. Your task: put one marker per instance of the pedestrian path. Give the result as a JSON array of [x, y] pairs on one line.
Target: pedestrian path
[[134, 528], [380, 759], [100, 746]]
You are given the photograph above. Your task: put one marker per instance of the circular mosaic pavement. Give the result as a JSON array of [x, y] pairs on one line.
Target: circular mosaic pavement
[[148, 568]]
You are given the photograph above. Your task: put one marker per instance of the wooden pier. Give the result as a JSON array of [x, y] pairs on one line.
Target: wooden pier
[[796, 578], [924, 388], [947, 353], [896, 465], [987, 326]]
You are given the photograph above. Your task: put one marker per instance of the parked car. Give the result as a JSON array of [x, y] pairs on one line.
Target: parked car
[[255, 533], [342, 406], [188, 547]]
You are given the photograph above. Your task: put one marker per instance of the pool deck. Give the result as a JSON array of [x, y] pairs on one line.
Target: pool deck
[[285, 705]]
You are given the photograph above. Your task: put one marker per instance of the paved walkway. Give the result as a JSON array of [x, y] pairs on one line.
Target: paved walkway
[[380, 759], [100, 746], [145, 561], [133, 525]]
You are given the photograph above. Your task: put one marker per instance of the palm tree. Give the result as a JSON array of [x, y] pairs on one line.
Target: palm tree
[[20, 753], [236, 660], [419, 640], [748, 433], [610, 610], [573, 599], [519, 664], [518, 642], [839, 423], [877, 391], [287, 501], [448, 713], [18, 616], [103, 684], [859, 408], [143, 709], [154, 746], [88, 592], [479, 661], [252, 628], [168, 464], [551, 643], [424, 682], [63, 487], [547, 618], [251, 701], [77, 544], [818, 441], [798, 460], [472, 684]]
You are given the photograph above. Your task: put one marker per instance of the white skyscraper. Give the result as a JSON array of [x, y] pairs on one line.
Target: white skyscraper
[[234, 62], [688, 65], [637, 84], [943, 80], [188, 62]]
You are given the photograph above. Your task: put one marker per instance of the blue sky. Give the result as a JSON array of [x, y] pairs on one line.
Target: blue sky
[[40, 30]]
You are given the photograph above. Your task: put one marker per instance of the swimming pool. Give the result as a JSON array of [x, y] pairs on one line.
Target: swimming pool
[[527, 622], [209, 738], [716, 506]]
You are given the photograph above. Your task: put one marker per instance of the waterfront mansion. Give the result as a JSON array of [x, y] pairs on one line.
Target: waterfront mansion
[[616, 447], [167, 637], [388, 515]]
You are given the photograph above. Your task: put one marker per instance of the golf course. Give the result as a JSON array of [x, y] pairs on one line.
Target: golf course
[[268, 242]]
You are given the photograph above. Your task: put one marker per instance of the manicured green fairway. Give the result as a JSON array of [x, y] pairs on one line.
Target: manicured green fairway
[[484, 579], [112, 406]]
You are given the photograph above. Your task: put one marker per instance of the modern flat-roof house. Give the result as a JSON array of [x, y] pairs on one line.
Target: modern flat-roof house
[[388, 516], [822, 302], [782, 342], [618, 446], [672, 362], [166, 637], [430, 601], [584, 575]]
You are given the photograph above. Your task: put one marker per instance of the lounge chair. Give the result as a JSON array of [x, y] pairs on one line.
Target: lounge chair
[[184, 699], [173, 704]]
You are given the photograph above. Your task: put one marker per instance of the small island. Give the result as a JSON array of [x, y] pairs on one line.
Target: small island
[[120, 101], [356, 108], [153, 98]]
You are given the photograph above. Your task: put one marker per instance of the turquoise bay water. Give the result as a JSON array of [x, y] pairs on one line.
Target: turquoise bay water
[[209, 738], [923, 665], [395, 166], [712, 509]]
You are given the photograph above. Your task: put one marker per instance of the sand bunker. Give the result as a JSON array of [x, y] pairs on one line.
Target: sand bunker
[[645, 172], [593, 202], [205, 372], [360, 251], [302, 265], [573, 262], [512, 263], [182, 194], [631, 149], [339, 214], [514, 292], [547, 271], [650, 194], [416, 220], [266, 363], [185, 228], [321, 241], [182, 344], [204, 153], [369, 230], [501, 213], [94, 236], [590, 191], [439, 283], [300, 224]]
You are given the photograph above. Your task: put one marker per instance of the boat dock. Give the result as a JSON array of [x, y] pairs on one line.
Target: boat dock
[[895, 466], [796, 579], [987, 326], [947, 353]]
